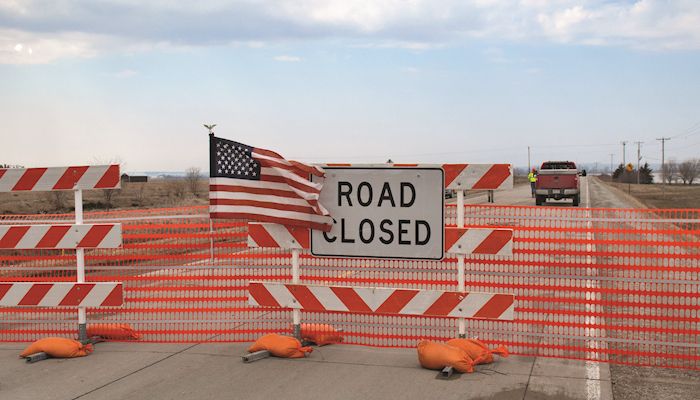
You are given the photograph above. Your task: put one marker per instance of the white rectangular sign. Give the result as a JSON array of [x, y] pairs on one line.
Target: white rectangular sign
[[382, 212]]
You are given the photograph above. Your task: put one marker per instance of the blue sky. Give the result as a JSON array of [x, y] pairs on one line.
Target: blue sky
[[348, 81]]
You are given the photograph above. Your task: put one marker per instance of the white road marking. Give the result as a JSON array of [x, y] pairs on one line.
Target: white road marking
[[593, 391]]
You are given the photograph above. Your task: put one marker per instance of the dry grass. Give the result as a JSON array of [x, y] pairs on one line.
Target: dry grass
[[155, 193], [657, 196]]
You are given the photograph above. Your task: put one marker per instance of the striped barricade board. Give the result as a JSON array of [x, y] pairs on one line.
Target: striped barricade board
[[435, 303], [479, 241], [59, 178], [60, 236], [478, 176], [34, 294], [457, 176], [263, 234], [457, 240]]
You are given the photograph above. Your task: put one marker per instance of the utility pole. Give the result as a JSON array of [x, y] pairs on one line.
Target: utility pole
[[528, 160], [663, 166], [639, 158], [611, 165], [624, 159]]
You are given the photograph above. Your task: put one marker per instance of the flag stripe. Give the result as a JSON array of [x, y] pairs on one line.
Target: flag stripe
[[259, 197], [267, 218], [261, 204], [252, 190]]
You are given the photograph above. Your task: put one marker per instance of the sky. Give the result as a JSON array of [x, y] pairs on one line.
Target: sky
[[360, 81]]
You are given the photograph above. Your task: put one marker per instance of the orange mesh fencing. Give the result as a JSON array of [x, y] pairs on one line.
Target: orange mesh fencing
[[612, 285]]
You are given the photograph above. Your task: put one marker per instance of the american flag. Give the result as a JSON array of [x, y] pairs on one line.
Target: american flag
[[257, 184]]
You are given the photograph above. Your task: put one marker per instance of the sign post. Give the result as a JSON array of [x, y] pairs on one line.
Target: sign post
[[462, 323], [80, 258]]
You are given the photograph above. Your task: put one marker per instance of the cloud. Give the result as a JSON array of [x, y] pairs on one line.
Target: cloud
[[125, 73], [287, 58], [21, 47], [84, 28]]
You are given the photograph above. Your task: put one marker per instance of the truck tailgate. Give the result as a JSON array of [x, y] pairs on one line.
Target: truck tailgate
[[557, 179]]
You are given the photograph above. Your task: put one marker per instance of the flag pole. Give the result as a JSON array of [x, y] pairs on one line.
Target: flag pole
[[296, 313]]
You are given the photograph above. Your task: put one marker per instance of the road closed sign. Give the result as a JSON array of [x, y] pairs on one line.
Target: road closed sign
[[382, 212]]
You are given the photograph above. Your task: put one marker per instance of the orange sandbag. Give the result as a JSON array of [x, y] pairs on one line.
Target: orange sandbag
[[434, 355], [280, 346], [113, 331], [321, 334], [478, 351], [58, 347]]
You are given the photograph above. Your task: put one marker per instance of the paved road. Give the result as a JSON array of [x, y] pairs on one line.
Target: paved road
[[215, 371]]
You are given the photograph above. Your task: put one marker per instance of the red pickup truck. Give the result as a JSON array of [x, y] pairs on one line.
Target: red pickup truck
[[558, 180]]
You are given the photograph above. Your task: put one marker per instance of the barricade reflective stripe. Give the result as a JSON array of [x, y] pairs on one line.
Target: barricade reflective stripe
[[478, 176], [382, 300], [60, 178], [60, 236], [459, 176], [276, 235], [479, 241], [35, 294]]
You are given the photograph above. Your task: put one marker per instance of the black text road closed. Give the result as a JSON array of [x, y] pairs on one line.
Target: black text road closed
[[382, 212]]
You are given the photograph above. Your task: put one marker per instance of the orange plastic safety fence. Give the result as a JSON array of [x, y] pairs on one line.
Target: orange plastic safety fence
[[613, 285]]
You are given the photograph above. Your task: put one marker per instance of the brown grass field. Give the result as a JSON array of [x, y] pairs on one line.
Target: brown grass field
[[153, 194], [662, 196]]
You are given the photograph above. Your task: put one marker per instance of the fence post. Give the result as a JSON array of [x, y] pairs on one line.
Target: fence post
[[80, 256], [460, 260]]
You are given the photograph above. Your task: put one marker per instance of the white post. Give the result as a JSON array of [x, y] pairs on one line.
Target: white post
[[80, 256], [460, 259], [296, 313]]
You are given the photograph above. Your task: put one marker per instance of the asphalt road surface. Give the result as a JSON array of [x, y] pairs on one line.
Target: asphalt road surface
[[213, 371]]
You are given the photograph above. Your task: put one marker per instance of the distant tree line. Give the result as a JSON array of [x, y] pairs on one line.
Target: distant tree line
[[686, 172], [11, 166]]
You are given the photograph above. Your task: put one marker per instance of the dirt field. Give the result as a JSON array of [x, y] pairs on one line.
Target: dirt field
[[155, 193], [658, 196]]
